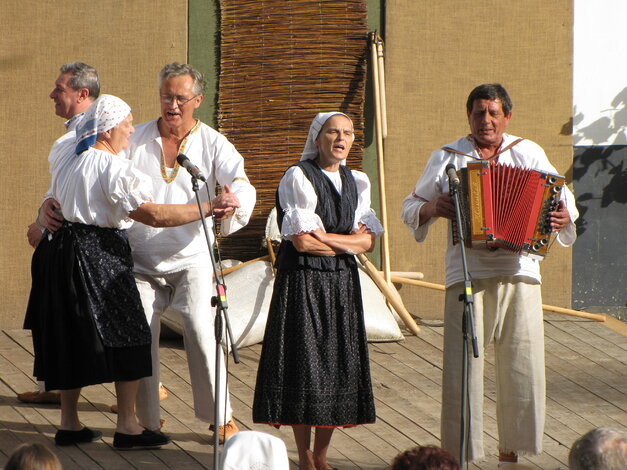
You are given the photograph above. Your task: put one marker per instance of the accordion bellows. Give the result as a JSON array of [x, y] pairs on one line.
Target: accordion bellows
[[507, 207]]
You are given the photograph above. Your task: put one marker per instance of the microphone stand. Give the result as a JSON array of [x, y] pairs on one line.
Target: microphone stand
[[467, 327], [218, 301]]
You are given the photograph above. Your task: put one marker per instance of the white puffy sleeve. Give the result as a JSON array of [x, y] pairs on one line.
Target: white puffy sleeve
[[298, 200], [365, 214], [127, 186]]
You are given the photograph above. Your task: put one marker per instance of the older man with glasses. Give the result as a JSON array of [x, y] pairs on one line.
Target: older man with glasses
[[172, 265]]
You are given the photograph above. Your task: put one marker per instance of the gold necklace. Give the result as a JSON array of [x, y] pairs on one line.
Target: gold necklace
[[164, 170], [175, 171]]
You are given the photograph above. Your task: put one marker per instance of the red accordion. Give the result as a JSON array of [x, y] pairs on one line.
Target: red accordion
[[507, 207]]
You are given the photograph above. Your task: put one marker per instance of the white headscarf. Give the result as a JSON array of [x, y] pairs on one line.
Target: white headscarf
[[103, 115], [311, 151], [254, 450]]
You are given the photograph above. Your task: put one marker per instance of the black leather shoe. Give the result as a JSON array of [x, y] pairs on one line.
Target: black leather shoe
[[67, 438], [145, 440]]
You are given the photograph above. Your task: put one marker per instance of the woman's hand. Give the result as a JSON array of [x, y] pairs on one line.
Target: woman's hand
[[48, 216], [34, 235], [361, 228], [359, 241], [312, 243], [319, 235]]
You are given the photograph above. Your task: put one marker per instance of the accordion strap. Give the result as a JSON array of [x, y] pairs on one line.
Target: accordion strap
[[495, 156]]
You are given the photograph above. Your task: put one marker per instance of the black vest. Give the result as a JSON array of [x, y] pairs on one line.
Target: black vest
[[337, 212]]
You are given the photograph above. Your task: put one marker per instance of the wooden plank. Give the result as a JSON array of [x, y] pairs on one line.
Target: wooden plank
[[99, 398], [189, 434], [27, 424], [594, 342], [243, 388], [601, 382], [342, 438], [557, 429], [585, 388], [580, 345], [599, 335]]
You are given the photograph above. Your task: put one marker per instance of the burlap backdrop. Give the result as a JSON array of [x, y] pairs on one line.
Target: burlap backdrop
[[127, 41], [436, 52]]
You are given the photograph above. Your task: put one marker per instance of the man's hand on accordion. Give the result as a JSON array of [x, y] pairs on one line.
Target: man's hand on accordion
[[441, 206], [559, 218]]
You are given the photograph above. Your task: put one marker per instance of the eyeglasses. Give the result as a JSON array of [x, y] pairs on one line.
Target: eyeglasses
[[180, 100]]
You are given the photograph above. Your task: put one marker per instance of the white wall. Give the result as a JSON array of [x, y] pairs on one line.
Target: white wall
[[600, 73]]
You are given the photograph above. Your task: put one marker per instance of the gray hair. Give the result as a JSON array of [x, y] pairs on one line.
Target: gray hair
[[83, 76], [603, 448], [176, 69]]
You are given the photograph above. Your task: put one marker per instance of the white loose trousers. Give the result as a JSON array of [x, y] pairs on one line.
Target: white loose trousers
[[188, 293], [508, 312]]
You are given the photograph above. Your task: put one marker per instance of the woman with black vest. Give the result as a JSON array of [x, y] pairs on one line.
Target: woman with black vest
[[314, 369]]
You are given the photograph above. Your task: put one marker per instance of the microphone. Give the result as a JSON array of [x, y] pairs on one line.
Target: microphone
[[189, 166], [451, 172]]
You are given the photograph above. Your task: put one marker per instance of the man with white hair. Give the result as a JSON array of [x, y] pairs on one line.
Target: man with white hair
[[173, 265]]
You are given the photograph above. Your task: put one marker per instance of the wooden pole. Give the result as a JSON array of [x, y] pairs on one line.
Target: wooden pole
[[226, 271], [417, 282], [405, 274], [385, 246], [391, 295], [271, 254], [575, 313], [548, 308], [381, 66]]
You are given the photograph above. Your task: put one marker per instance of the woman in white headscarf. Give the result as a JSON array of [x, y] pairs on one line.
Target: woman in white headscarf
[[314, 369], [84, 310]]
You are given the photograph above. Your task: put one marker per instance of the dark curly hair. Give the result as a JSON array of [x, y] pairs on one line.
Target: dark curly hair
[[425, 458]]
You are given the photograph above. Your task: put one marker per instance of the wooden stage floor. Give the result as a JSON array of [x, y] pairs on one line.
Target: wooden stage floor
[[586, 388]]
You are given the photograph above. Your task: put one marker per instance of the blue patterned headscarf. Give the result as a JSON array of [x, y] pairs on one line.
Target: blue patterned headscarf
[[103, 115]]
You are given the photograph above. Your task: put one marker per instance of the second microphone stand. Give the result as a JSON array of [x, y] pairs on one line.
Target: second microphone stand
[[219, 301], [468, 328]]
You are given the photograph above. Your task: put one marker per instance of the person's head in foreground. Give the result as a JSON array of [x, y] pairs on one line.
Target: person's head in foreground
[[425, 458], [33, 457], [603, 448]]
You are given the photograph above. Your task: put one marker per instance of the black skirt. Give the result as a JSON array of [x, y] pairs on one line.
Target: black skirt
[[84, 310], [314, 367]]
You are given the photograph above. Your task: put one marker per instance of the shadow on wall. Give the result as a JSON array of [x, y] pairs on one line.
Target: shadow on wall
[[608, 130], [615, 191], [605, 137]]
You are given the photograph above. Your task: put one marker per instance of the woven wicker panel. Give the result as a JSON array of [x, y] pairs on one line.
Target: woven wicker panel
[[281, 63]]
